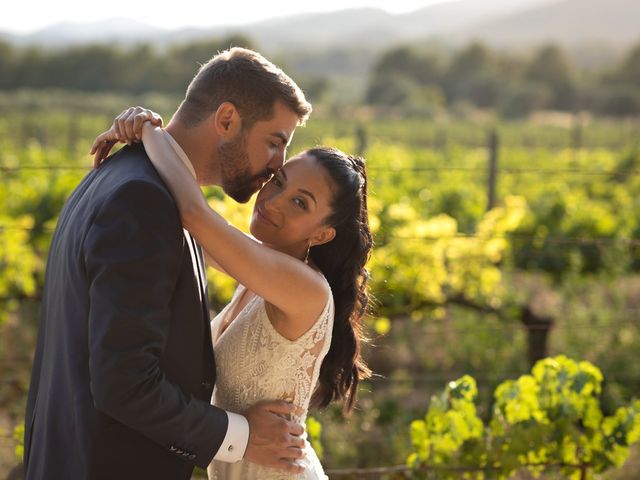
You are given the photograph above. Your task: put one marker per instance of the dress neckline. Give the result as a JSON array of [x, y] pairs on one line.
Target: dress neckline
[[230, 308]]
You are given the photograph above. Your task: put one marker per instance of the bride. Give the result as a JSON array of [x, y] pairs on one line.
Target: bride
[[292, 330]]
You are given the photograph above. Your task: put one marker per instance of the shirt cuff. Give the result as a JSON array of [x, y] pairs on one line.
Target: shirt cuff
[[235, 441]]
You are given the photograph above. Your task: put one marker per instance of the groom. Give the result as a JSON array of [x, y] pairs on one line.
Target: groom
[[124, 367]]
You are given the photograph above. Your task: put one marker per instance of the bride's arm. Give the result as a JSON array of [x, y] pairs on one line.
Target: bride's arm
[[282, 280], [210, 262]]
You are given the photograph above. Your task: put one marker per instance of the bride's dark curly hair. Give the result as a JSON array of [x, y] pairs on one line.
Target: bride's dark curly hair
[[342, 261]]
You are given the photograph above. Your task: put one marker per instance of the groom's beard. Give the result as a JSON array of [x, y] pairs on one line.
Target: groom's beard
[[237, 181]]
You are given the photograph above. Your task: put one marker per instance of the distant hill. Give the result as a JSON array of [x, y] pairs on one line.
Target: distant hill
[[363, 26], [568, 22], [376, 28], [120, 30], [346, 42]]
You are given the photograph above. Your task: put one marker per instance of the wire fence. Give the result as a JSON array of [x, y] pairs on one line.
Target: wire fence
[[551, 239], [438, 378], [393, 169], [513, 327], [508, 170]]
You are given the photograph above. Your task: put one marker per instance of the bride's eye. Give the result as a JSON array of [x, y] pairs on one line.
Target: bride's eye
[[300, 203]]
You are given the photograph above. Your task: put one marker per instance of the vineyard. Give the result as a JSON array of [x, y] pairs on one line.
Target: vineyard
[[505, 332]]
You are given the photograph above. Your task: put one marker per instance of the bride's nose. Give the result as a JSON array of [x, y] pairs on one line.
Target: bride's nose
[[272, 204]]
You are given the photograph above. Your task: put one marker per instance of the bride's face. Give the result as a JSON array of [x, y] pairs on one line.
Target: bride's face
[[291, 209]]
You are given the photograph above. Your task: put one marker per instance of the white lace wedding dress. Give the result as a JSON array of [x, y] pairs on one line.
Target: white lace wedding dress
[[254, 362]]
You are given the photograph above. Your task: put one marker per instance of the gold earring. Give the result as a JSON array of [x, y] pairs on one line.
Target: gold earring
[[306, 257]]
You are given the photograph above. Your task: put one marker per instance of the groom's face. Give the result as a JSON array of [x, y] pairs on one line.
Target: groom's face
[[251, 158]]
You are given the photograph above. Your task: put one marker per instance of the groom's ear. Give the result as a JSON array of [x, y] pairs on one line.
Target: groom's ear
[[227, 121]]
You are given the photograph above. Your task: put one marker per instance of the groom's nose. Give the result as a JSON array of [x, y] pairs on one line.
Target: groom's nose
[[277, 160]]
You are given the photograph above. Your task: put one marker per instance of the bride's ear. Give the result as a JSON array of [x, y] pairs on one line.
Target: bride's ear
[[323, 235]]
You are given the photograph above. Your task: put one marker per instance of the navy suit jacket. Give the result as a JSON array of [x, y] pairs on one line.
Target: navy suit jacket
[[124, 369]]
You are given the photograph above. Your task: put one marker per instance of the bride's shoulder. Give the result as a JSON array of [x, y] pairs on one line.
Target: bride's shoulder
[[325, 284]]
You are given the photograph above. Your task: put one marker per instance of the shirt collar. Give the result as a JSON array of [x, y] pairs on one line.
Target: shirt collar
[[183, 156]]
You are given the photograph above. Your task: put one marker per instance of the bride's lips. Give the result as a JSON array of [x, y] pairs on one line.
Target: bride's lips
[[264, 218]]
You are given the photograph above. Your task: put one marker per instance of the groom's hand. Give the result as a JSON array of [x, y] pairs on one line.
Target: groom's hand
[[273, 440]]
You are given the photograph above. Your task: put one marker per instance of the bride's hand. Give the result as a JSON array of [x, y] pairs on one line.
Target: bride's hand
[[126, 128]]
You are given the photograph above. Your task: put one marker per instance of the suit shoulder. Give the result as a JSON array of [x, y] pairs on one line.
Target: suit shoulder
[[132, 162], [130, 165]]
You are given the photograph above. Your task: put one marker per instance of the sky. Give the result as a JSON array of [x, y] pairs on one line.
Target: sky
[[27, 16]]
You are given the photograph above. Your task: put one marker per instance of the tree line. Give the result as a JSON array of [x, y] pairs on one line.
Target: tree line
[[412, 78], [514, 85], [109, 68]]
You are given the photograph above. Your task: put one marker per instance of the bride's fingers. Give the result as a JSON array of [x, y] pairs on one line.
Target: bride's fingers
[[145, 116], [100, 139], [97, 158], [130, 123], [128, 126], [104, 152], [94, 147], [138, 121], [118, 123], [106, 149]]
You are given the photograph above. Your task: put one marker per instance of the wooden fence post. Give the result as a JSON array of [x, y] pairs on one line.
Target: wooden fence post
[[492, 177], [361, 141], [576, 136], [72, 132], [440, 140]]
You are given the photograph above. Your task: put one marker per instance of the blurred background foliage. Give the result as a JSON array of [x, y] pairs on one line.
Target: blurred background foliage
[[504, 199]]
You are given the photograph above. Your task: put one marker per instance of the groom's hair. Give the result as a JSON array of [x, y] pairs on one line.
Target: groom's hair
[[248, 80]]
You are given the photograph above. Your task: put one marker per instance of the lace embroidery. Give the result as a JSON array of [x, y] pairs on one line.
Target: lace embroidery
[[254, 362]]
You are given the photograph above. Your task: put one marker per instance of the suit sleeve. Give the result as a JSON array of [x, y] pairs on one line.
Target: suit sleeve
[[133, 257]]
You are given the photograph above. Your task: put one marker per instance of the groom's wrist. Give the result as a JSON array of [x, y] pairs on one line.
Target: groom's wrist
[[235, 441]]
